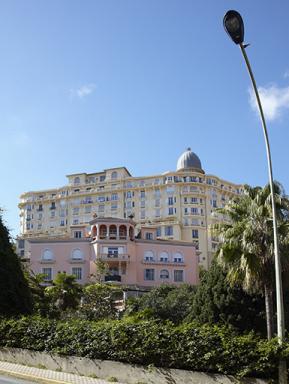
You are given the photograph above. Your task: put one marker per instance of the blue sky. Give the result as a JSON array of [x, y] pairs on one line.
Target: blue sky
[[91, 84]]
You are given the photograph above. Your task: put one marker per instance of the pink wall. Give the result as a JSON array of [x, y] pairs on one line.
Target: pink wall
[[138, 262]]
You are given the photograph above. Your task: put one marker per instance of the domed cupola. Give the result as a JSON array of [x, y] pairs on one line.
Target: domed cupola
[[189, 161]]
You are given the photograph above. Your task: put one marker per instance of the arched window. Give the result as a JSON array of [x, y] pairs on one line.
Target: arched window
[[164, 274], [122, 232], [77, 254], [77, 180], [47, 255], [149, 256], [164, 257], [112, 231], [103, 231], [114, 175], [178, 257]]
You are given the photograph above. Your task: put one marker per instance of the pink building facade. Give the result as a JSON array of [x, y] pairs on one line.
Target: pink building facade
[[139, 260]]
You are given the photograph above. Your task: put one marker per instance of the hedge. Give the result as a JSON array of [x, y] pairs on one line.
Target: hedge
[[190, 346]]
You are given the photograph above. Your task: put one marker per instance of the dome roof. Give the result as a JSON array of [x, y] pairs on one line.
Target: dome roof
[[189, 161]]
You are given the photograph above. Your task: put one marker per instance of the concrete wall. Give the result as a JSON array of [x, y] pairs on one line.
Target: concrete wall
[[124, 373]]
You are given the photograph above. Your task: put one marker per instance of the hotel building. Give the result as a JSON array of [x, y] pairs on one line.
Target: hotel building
[[179, 204]]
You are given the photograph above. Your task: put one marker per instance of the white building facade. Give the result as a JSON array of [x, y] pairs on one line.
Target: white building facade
[[180, 204]]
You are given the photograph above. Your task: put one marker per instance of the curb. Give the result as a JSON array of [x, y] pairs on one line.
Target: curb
[[36, 379]]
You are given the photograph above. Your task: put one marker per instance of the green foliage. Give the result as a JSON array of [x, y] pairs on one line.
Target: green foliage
[[64, 294], [190, 346], [39, 299], [98, 302], [216, 301], [15, 296], [165, 302]]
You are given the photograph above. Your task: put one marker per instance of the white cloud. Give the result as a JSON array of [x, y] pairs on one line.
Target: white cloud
[[83, 91], [286, 74], [274, 100]]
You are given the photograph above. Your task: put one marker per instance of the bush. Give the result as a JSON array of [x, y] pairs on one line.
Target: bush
[[189, 346]]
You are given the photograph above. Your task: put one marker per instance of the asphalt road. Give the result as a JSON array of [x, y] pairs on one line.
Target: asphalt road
[[12, 380]]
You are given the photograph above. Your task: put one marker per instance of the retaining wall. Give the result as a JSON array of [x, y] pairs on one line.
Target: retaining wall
[[125, 373]]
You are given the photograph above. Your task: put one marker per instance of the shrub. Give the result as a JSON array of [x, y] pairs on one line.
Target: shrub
[[189, 346]]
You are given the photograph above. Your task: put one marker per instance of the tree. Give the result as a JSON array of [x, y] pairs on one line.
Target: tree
[[65, 293], [246, 248], [15, 296], [166, 302], [37, 286], [98, 302], [216, 301]]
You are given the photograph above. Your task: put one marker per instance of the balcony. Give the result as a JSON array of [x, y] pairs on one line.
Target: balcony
[[115, 257], [112, 278]]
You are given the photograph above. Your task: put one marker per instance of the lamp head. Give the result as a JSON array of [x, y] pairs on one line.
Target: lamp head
[[234, 26]]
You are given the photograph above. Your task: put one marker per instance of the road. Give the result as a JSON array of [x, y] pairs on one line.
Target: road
[[12, 380]]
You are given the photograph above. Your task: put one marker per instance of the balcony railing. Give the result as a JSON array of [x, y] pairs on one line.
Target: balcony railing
[[115, 256]]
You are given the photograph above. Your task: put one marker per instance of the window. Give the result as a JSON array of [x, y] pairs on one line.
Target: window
[[195, 222], [101, 208], [21, 243], [112, 251], [102, 178], [47, 255], [77, 254], [142, 203], [149, 274], [40, 208], [164, 274], [149, 256], [194, 200], [62, 223], [142, 214], [170, 201], [157, 212], [178, 275], [129, 194], [157, 202], [76, 180], [159, 231], [114, 175], [77, 272], [75, 222], [142, 194], [171, 211], [101, 199], [169, 230], [214, 203], [47, 272], [194, 211], [114, 196], [87, 209], [75, 211], [164, 257], [195, 233], [52, 214], [77, 234], [113, 207], [178, 258], [149, 236]]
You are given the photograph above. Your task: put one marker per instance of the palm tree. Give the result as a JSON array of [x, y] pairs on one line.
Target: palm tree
[[247, 248]]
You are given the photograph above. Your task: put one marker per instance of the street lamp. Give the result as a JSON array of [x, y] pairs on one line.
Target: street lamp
[[234, 26]]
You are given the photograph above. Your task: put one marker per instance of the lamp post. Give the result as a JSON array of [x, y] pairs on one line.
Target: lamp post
[[234, 26]]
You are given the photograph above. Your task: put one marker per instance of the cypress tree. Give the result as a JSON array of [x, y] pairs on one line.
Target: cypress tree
[[15, 296]]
